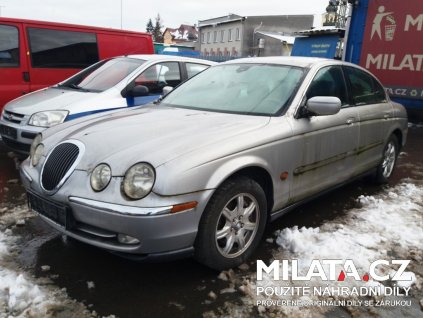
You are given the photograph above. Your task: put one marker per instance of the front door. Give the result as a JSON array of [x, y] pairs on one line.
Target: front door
[[326, 144]]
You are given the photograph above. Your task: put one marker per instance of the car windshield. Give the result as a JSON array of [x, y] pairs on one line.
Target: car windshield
[[103, 75], [256, 89]]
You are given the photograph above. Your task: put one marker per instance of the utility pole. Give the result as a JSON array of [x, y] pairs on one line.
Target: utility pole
[[121, 14]]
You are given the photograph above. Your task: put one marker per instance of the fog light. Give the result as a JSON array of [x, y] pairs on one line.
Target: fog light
[[126, 239]]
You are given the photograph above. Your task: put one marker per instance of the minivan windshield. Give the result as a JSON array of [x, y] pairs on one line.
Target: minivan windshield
[[103, 75], [256, 89]]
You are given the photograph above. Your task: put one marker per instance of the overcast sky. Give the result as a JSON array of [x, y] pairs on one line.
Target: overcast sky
[[135, 13]]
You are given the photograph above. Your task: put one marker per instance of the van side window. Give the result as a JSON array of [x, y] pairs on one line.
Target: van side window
[[160, 75], [62, 49], [329, 81], [365, 89], [9, 46]]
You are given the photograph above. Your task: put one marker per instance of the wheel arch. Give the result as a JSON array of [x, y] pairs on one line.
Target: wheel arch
[[259, 174]]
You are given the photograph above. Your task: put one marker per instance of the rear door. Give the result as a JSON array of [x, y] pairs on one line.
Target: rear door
[[13, 63], [56, 54], [375, 115]]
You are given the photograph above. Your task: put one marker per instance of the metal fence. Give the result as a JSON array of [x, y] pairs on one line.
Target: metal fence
[[218, 58]]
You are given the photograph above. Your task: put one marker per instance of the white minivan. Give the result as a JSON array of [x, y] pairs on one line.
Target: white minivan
[[110, 84]]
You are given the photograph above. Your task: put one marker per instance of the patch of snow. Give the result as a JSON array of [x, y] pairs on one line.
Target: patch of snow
[[90, 285], [385, 226], [45, 268], [21, 295], [212, 295]]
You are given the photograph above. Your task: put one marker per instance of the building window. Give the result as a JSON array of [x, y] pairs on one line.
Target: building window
[[208, 37], [222, 36], [203, 37], [215, 36], [230, 35], [238, 34]]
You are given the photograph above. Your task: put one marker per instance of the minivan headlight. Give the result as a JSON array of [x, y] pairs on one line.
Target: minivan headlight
[[100, 177], [139, 180], [48, 118]]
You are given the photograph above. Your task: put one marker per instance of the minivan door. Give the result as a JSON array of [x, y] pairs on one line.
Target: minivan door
[[14, 80]]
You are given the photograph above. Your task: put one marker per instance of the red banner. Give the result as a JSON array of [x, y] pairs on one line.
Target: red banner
[[393, 45]]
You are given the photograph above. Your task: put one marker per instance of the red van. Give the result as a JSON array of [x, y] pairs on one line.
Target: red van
[[36, 54]]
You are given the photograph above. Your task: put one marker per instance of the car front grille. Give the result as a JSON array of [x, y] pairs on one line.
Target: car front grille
[[13, 117], [58, 165]]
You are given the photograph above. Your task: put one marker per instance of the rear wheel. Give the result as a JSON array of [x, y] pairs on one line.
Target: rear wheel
[[390, 154], [232, 224]]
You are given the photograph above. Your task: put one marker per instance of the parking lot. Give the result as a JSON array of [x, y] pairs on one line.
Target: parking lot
[[104, 284]]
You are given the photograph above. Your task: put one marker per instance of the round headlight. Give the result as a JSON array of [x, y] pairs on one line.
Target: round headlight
[[37, 140], [38, 153], [139, 180], [100, 177]]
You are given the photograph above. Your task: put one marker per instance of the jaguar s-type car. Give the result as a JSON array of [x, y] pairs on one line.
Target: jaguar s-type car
[[204, 170]]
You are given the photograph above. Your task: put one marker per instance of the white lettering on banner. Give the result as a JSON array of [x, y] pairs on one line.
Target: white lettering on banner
[[411, 62], [410, 21]]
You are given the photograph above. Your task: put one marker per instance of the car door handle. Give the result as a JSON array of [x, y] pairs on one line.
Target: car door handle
[[350, 121], [387, 116]]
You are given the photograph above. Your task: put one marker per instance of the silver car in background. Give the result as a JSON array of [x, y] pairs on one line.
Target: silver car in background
[[115, 83], [203, 172]]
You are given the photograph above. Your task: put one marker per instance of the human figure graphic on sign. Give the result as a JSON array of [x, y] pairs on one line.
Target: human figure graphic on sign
[[377, 22]]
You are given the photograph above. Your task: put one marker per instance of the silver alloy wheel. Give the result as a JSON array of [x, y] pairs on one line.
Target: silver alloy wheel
[[237, 225], [389, 158]]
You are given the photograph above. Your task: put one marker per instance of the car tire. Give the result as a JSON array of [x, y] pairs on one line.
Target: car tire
[[389, 159], [232, 224]]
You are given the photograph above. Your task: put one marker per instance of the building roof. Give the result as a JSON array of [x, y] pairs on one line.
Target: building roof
[[279, 36], [326, 30], [219, 20], [185, 32]]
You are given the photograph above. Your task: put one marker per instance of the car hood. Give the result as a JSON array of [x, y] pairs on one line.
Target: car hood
[[154, 134], [52, 98]]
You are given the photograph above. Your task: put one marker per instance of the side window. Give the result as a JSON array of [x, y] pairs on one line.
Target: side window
[[62, 49], [329, 81], [9, 46], [365, 89], [160, 75], [193, 69]]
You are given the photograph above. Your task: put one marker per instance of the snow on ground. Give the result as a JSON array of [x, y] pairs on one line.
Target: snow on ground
[[385, 226], [22, 295]]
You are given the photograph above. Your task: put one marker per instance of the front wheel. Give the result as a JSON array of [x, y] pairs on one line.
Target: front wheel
[[390, 154], [232, 224]]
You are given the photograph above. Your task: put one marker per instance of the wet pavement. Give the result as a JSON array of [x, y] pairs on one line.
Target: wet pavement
[[179, 289]]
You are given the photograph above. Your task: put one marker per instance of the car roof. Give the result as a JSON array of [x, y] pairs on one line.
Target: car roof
[[284, 60], [162, 57]]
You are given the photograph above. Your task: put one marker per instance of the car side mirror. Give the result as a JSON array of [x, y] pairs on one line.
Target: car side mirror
[[323, 105], [138, 91], [167, 90]]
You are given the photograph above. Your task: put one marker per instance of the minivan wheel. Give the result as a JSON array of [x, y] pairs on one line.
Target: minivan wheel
[[390, 154], [232, 224]]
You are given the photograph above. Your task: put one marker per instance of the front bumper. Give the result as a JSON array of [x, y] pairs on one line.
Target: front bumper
[[21, 139], [161, 234]]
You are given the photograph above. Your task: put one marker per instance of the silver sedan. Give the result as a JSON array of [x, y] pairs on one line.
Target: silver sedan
[[204, 170]]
